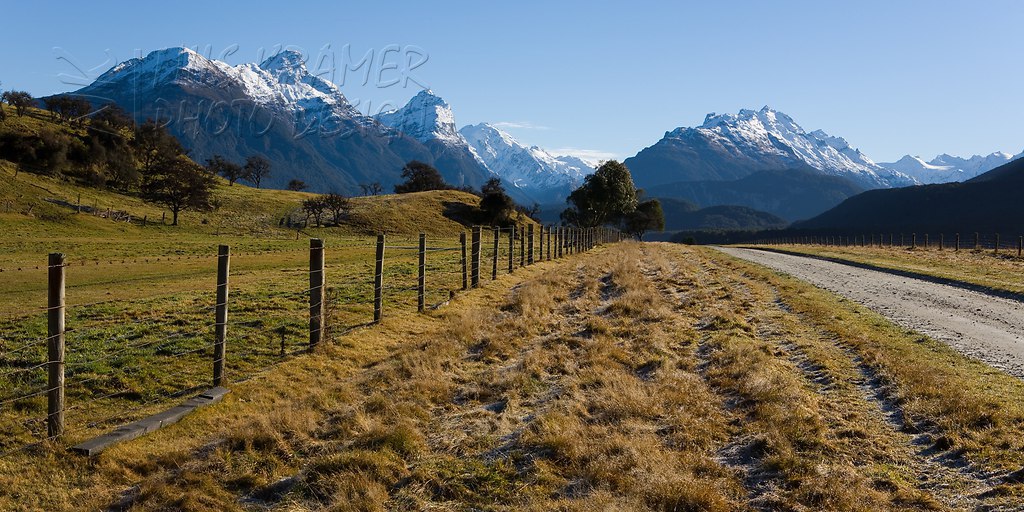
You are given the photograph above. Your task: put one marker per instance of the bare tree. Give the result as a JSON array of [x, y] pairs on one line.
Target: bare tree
[[338, 206], [220, 166], [314, 207], [256, 168]]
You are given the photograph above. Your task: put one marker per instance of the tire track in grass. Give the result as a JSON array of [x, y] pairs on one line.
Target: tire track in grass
[[940, 473], [744, 453]]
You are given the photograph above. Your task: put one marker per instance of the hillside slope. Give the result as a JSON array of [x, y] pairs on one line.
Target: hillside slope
[[989, 203], [793, 194]]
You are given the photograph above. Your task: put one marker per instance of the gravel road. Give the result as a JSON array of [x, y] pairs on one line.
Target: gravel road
[[981, 326]]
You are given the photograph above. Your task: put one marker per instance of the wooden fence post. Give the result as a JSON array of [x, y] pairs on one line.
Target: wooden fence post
[[977, 241], [529, 246], [55, 346], [957, 243], [421, 278], [465, 269], [540, 243], [317, 292], [221, 325], [926, 244], [549, 243], [474, 276], [522, 248], [494, 262], [997, 244], [511, 248], [1020, 245], [913, 241], [942, 240], [378, 281]]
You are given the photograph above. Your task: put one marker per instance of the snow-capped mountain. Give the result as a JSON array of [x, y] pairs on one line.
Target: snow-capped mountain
[[430, 120], [425, 117], [302, 123], [947, 168], [731, 146], [539, 174]]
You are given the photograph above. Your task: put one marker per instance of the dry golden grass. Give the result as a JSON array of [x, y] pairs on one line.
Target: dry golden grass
[[634, 377], [984, 268]]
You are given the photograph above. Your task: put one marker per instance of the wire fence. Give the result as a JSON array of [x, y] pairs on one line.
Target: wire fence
[[977, 241], [74, 369]]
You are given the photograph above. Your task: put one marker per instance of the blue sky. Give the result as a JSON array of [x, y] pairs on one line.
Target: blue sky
[[893, 77]]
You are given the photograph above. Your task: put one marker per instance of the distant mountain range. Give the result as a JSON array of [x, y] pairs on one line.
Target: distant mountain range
[[757, 159], [947, 168], [308, 130]]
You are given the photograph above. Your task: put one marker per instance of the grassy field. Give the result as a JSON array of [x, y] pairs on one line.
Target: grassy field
[[645, 377], [984, 268], [140, 298]]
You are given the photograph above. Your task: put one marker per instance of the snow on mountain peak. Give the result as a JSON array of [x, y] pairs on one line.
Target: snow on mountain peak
[[530, 168], [425, 117], [280, 82], [947, 168], [770, 132]]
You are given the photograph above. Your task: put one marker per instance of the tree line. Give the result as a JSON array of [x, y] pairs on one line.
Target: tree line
[[105, 148]]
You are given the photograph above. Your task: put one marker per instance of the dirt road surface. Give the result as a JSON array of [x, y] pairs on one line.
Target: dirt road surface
[[981, 326]]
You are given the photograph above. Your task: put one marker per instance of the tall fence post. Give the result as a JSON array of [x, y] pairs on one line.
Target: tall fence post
[[511, 248], [494, 259], [221, 325], [926, 241], [421, 277], [977, 241], [942, 240], [549, 243], [475, 258], [529, 244], [522, 248], [558, 242], [378, 281], [317, 292], [996, 251], [957, 249], [540, 243], [55, 346], [1020, 245], [465, 270]]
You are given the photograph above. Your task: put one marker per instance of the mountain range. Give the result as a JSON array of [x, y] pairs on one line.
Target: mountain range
[[308, 130], [947, 168], [759, 159]]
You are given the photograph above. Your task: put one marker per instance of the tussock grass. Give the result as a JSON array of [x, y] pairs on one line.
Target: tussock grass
[[635, 377], [983, 267]]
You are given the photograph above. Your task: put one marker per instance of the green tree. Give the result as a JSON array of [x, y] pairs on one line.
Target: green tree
[[496, 205], [220, 166], [648, 216], [109, 135], [179, 184], [67, 108], [256, 169], [604, 198], [20, 100], [153, 145], [420, 177]]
